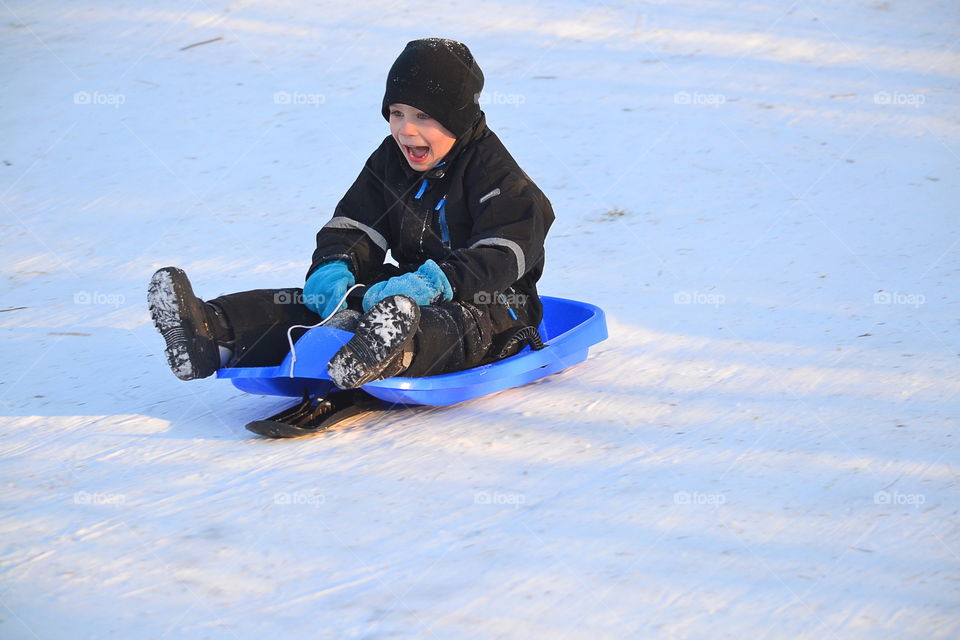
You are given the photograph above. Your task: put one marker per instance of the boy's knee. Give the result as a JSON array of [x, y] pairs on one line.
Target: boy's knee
[[451, 337]]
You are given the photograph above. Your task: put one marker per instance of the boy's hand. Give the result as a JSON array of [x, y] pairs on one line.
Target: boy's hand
[[326, 286], [426, 285]]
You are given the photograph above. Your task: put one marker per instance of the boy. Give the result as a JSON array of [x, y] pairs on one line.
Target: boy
[[464, 223]]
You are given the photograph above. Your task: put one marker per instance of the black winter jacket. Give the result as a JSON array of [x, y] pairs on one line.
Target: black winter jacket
[[476, 214]]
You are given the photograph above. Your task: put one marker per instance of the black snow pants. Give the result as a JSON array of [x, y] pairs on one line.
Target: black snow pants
[[452, 336]]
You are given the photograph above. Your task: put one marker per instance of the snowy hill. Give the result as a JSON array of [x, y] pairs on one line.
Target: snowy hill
[[761, 195]]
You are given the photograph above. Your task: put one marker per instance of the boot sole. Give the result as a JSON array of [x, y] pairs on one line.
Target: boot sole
[[190, 349], [382, 334]]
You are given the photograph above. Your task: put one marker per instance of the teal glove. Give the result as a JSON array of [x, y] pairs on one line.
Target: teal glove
[[326, 286], [426, 285]]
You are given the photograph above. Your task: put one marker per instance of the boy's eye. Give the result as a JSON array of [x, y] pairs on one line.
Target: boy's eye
[[423, 116], [397, 113]]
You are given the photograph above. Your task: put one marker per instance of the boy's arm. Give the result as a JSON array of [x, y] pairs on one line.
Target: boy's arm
[[357, 233], [509, 230]]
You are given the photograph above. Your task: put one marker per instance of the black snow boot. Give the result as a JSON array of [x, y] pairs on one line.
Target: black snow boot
[[382, 344], [193, 330]]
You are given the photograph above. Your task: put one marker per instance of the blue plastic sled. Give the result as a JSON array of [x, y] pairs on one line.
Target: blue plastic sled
[[569, 329]]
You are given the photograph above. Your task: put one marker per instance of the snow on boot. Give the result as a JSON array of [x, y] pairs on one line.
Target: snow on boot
[[345, 320], [381, 346], [189, 326]]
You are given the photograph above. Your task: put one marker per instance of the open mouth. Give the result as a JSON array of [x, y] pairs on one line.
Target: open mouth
[[416, 154]]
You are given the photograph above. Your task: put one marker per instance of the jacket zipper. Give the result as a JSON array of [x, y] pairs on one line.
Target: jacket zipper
[[441, 207], [444, 230]]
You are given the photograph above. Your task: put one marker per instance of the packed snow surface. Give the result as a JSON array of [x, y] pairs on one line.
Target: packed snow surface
[[761, 195]]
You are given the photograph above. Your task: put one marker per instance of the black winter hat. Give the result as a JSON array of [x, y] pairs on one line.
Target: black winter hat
[[440, 78]]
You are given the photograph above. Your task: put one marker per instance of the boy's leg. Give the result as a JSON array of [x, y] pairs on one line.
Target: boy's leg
[[398, 337], [450, 336], [453, 336], [448, 339], [249, 328], [260, 319]]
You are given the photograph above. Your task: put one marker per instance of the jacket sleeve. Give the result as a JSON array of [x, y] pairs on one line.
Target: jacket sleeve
[[511, 217], [358, 231]]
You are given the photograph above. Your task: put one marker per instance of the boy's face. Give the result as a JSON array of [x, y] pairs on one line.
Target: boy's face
[[423, 141]]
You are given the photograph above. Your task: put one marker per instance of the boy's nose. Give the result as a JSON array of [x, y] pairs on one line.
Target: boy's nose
[[408, 129]]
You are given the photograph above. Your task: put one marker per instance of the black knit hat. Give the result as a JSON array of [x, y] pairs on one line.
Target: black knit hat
[[440, 78]]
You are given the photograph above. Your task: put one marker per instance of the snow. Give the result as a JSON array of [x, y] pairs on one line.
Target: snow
[[757, 193]]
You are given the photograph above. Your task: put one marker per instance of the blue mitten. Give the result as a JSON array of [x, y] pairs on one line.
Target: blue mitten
[[326, 286], [426, 285]]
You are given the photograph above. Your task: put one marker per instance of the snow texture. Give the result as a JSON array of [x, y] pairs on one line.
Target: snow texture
[[761, 195]]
